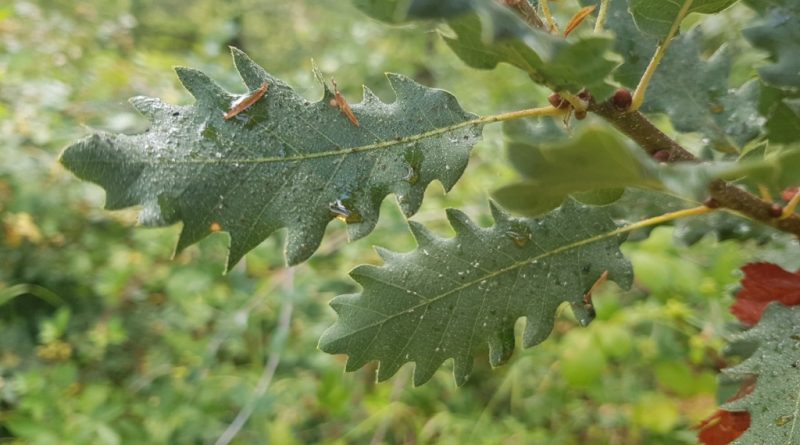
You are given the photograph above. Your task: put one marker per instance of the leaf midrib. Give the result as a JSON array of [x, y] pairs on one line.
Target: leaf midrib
[[512, 267], [794, 416], [383, 145]]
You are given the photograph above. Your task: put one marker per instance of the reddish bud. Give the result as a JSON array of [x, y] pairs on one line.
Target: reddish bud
[[789, 193], [711, 203], [557, 101], [775, 211], [661, 155], [622, 99], [585, 95], [580, 114]]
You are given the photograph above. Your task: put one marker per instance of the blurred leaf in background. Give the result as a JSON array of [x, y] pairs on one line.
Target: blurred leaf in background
[[108, 340]]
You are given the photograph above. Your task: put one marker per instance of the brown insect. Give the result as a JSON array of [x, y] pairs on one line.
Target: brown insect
[[577, 19], [215, 227], [339, 102], [247, 101]]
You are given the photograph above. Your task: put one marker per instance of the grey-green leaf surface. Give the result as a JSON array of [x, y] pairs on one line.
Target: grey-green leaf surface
[[595, 159], [695, 94], [694, 91], [656, 17], [450, 298], [778, 32], [774, 404], [487, 34], [284, 162]]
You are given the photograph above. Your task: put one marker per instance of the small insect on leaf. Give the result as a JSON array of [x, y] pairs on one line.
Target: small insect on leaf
[[339, 102], [577, 19], [247, 101], [215, 227]]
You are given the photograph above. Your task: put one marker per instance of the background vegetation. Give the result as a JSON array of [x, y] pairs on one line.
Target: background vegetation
[[105, 339]]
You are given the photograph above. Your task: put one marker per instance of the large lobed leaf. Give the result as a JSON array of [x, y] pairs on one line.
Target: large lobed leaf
[[283, 162], [774, 404], [451, 297], [694, 91], [487, 34], [778, 32]]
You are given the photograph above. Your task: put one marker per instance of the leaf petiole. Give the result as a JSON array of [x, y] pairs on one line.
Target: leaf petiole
[[791, 206], [601, 16], [671, 216], [638, 95], [764, 192], [530, 112]]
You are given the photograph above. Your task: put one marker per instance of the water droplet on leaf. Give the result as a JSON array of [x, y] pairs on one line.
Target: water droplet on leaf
[[783, 420], [414, 158]]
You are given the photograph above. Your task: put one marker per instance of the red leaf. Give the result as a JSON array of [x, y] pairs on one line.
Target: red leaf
[[723, 427], [764, 283], [789, 193]]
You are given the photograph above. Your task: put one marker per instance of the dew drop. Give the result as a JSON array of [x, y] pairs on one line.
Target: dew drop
[[414, 158], [783, 420]]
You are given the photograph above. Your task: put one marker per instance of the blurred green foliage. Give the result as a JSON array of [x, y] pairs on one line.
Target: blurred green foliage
[[105, 339]]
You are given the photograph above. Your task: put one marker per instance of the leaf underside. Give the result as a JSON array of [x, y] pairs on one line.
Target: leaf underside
[[596, 161], [282, 162], [452, 297], [774, 404]]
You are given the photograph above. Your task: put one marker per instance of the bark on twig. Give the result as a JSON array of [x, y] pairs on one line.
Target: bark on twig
[[526, 11], [636, 126]]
